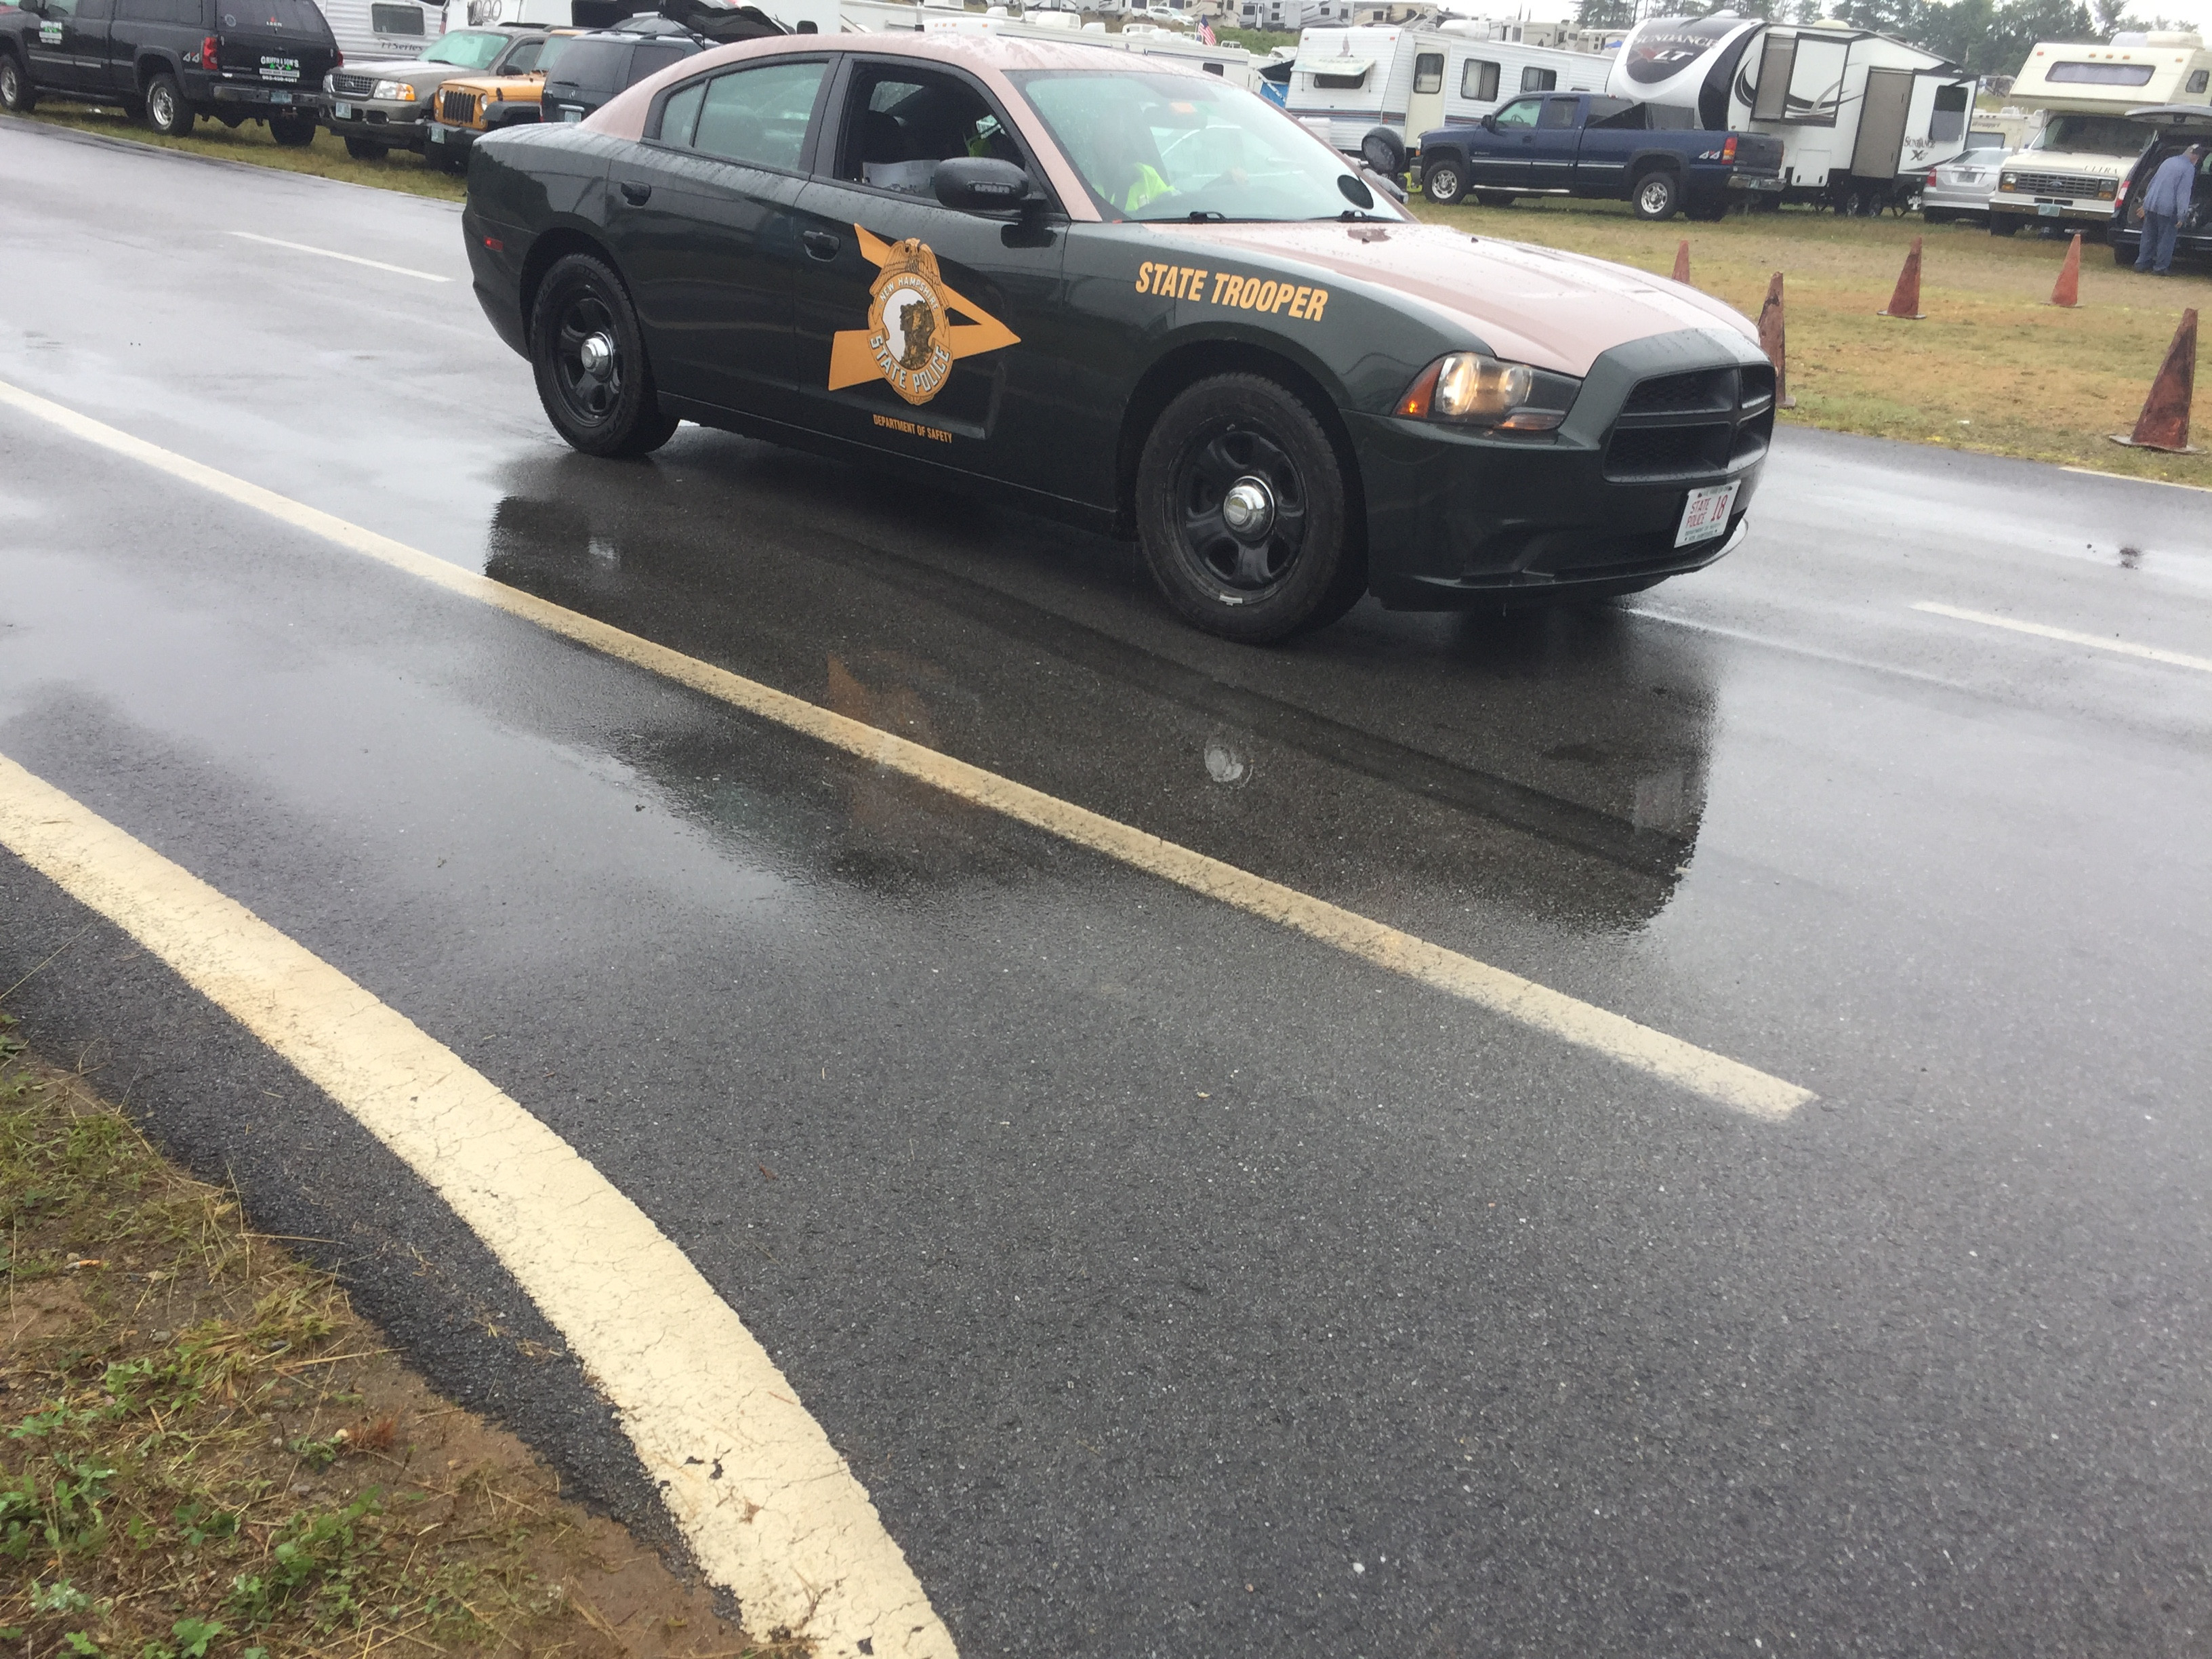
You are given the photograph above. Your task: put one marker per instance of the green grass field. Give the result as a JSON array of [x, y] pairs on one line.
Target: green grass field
[[1994, 366], [325, 158]]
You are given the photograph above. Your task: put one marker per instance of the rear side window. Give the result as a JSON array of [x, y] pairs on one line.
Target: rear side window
[[1558, 113], [396, 20], [757, 116], [524, 58], [595, 64], [651, 60], [1478, 80]]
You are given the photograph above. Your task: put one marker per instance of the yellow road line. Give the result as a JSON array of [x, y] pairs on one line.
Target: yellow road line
[[2045, 631], [769, 1507], [1719, 1078]]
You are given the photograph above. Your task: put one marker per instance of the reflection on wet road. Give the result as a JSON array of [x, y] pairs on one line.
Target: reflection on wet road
[[1134, 1250]]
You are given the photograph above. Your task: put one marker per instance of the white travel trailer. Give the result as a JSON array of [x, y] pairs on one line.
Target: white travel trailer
[[1231, 63], [1861, 117], [1373, 91], [389, 30], [2069, 170]]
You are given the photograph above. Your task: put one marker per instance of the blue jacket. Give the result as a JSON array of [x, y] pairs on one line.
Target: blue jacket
[[2171, 187]]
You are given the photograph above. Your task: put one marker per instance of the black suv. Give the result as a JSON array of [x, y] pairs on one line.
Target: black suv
[[170, 61], [592, 68]]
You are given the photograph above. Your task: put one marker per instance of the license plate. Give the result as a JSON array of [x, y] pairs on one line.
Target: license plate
[[343, 111], [571, 113], [2049, 210], [280, 97], [1707, 513], [437, 135]]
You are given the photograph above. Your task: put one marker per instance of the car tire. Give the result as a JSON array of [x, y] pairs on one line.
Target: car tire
[[1382, 150], [167, 111], [1654, 194], [1445, 182], [17, 94], [1302, 566], [293, 132], [2003, 224], [2124, 257], [1495, 198], [366, 149], [589, 358], [442, 159]]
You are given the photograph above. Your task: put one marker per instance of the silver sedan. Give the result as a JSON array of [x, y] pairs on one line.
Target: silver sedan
[[1962, 185]]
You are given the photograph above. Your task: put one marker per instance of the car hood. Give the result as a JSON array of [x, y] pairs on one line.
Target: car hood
[[502, 84], [412, 70], [1531, 305]]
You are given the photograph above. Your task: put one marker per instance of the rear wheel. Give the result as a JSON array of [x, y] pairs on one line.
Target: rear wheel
[[592, 376], [1243, 507], [167, 111], [1655, 196], [1445, 182], [293, 132], [366, 149], [16, 92]]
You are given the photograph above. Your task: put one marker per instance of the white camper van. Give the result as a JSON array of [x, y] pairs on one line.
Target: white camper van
[[2069, 172], [1373, 91], [1861, 116]]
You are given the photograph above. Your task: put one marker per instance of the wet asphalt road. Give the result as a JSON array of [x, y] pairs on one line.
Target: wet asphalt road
[[1177, 1286]]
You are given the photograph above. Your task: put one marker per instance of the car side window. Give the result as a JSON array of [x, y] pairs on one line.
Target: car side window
[[1519, 113], [1558, 113], [900, 123], [758, 116], [523, 59], [59, 8], [650, 59]]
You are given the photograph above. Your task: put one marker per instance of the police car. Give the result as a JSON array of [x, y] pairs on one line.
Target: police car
[[1135, 298]]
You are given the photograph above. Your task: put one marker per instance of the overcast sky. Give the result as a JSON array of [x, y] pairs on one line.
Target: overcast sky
[[2191, 13]]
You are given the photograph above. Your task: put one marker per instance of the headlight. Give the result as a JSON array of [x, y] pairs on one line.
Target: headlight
[[2108, 189], [2008, 182], [398, 90], [1470, 389]]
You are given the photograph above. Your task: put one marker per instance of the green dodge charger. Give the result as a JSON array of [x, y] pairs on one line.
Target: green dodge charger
[[1131, 296]]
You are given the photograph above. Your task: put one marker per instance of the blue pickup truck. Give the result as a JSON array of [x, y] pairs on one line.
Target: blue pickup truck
[[1581, 145]]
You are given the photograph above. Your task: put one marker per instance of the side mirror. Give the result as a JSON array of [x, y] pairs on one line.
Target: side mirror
[[981, 183], [1490, 123]]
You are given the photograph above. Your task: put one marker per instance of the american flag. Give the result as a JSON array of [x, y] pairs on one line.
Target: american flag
[[1206, 35]]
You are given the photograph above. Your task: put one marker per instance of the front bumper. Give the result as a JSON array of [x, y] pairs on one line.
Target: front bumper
[[1458, 519], [441, 136], [2050, 210], [386, 121], [1755, 183]]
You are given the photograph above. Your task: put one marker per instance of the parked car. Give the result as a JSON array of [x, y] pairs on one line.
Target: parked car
[[1960, 188], [1583, 144], [2174, 128], [465, 109], [594, 68], [380, 107], [169, 62], [1132, 297]]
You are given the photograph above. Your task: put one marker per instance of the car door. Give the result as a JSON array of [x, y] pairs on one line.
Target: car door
[[702, 216], [922, 331], [1504, 161], [45, 43], [84, 39], [1552, 150]]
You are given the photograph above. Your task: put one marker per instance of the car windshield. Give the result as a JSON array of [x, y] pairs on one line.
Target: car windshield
[[1153, 147], [2091, 135], [470, 48]]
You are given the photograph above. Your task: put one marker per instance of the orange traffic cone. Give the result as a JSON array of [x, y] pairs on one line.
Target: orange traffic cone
[[1906, 302], [2068, 291], [2164, 423], [1682, 265], [1772, 343]]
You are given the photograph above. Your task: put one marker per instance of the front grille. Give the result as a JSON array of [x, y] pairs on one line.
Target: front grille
[[1698, 422], [457, 109], [353, 86], [2058, 184]]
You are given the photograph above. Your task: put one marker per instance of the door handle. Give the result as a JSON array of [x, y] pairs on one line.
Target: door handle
[[636, 195], [822, 244]]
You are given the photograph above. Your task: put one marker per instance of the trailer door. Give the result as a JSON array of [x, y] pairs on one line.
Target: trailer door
[[1425, 109], [1880, 145], [1771, 100]]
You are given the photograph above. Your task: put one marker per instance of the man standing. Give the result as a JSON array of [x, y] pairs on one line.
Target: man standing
[[2164, 203]]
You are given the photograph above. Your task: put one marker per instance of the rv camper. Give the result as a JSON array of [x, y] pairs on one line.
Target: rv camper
[[1861, 117], [1373, 91], [2069, 172]]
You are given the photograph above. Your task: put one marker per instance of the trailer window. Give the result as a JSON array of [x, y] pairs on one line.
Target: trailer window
[[1339, 82], [396, 20], [1949, 120], [2196, 81], [1429, 72], [1478, 80], [2102, 75], [1539, 80]]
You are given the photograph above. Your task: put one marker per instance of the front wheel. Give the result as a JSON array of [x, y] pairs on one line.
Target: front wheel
[[167, 111], [592, 377], [16, 92], [1445, 184], [366, 149], [293, 132], [1243, 510], [1655, 196]]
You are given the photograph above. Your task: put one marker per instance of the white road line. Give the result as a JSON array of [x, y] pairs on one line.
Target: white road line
[[1795, 649], [351, 259], [1726, 1082], [2044, 631], [2129, 477], [770, 1508]]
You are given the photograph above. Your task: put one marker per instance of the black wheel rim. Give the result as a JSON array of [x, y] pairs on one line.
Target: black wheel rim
[[1253, 562], [586, 361]]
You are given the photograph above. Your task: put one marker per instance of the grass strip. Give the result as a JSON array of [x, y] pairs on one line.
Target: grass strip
[[325, 158], [205, 1453]]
